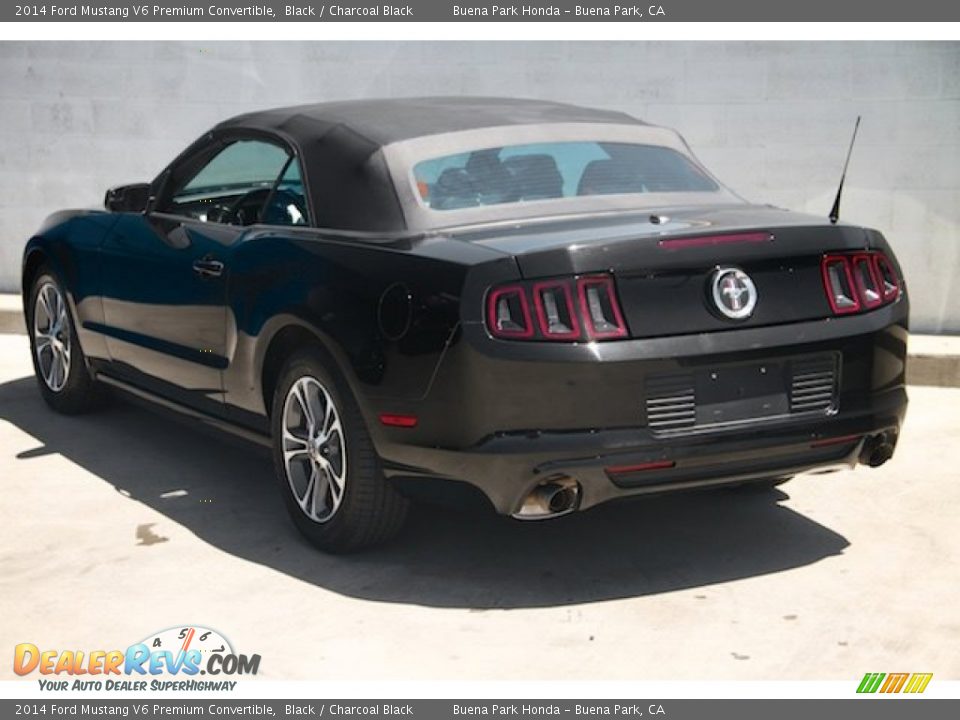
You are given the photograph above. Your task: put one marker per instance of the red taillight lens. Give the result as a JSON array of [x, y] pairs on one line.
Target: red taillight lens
[[838, 282], [601, 311], [865, 277], [859, 281], [555, 311], [565, 309], [508, 313], [889, 282]]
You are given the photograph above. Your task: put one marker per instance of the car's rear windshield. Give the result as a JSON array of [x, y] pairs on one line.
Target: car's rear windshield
[[553, 170]]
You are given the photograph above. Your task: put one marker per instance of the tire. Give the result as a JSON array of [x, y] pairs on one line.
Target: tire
[[53, 344], [333, 487]]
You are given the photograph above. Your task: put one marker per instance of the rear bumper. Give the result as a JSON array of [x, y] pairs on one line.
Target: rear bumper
[[507, 467], [507, 424]]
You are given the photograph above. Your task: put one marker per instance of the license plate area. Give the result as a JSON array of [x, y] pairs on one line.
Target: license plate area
[[734, 393], [731, 394]]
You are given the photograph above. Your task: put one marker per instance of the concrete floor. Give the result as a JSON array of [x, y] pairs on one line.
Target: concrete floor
[[835, 576]]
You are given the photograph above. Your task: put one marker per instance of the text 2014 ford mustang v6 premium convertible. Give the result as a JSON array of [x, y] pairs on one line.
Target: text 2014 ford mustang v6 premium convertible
[[540, 304]]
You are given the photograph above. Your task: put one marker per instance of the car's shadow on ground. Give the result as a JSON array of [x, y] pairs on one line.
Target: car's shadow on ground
[[444, 558]]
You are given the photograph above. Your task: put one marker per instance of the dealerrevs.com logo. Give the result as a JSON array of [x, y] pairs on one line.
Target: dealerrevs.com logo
[[167, 660]]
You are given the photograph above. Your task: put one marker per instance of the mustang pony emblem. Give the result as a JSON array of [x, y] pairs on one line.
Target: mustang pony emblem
[[734, 293]]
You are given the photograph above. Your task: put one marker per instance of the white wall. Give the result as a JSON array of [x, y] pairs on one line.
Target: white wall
[[771, 119]]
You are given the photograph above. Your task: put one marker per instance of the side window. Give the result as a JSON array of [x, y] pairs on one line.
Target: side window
[[246, 182], [288, 204]]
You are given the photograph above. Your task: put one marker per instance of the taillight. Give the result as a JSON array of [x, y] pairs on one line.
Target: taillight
[[889, 282], [555, 311], [858, 281], [838, 282], [598, 302], [864, 275], [508, 313], [565, 309]]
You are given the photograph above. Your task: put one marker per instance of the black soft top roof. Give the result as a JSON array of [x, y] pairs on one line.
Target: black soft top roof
[[341, 145], [381, 122]]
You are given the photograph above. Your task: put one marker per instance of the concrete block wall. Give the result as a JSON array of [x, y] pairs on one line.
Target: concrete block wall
[[771, 119]]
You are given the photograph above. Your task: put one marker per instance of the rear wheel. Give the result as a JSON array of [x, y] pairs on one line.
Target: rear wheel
[[58, 362], [325, 462]]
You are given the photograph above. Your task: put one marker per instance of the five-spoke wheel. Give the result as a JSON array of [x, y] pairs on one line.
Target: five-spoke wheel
[[58, 361], [326, 465], [51, 337], [314, 456]]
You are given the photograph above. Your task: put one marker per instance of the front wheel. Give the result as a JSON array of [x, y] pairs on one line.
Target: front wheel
[[328, 470], [58, 362]]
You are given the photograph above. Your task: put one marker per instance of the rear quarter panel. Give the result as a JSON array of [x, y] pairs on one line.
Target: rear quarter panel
[[385, 310]]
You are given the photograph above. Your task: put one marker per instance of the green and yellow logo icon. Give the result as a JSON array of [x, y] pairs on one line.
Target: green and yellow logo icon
[[894, 683]]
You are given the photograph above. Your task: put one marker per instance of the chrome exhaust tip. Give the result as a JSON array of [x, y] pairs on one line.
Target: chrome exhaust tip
[[552, 498], [876, 451], [880, 454]]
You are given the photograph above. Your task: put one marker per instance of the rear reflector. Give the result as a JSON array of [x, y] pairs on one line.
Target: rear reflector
[[641, 467], [401, 421], [707, 240], [842, 440]]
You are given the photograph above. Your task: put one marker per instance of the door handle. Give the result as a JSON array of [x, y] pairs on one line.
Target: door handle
[[208, 267]]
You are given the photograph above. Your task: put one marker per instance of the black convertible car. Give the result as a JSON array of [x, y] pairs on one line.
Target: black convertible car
[[542, 305]]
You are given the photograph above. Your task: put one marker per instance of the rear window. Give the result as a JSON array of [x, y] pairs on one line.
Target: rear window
[[545, 171]]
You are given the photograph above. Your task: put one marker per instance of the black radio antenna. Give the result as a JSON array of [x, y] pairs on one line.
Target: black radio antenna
[[835, 210]]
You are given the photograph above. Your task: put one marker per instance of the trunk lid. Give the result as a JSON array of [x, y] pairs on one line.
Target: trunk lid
[[664, 264]]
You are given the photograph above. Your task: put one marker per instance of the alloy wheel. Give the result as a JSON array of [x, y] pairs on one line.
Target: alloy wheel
[[51, 337], [314, 451]]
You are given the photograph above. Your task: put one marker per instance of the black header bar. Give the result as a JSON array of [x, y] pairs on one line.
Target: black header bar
[[481, 11]]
